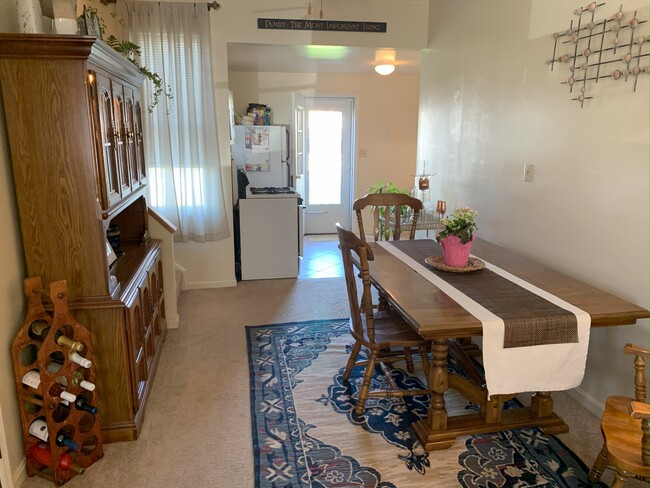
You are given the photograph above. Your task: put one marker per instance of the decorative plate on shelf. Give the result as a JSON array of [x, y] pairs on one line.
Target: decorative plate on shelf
[[473, 264]]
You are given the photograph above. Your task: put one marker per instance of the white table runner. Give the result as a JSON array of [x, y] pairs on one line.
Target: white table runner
[[551, 367]]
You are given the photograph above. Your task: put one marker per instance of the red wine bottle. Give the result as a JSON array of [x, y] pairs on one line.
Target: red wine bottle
[[64, 441], [82, 404], [43, 454]]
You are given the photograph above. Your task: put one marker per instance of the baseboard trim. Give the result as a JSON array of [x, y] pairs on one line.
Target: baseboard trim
[[179, 280], [587, 401], [20, 474], [173, 323], [198, 285]]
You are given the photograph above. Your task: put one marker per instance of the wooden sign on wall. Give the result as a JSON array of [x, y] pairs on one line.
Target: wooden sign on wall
[[321, 25]]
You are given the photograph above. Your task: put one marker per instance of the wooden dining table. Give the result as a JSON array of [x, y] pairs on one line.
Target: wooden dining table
[[435, 316]]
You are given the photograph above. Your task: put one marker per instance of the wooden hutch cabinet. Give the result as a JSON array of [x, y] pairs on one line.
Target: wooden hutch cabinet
[[73, 111]]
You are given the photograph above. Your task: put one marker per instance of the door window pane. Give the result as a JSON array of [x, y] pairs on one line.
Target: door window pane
[[324, 158]]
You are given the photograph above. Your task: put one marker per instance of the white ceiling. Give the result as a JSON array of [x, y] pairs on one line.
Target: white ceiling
[[318, 59]]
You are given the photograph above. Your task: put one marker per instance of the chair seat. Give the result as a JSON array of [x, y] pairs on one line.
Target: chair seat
[[390, 331], [623, 436]]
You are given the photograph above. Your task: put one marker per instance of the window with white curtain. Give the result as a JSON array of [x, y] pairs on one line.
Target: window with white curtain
[[182, 156]]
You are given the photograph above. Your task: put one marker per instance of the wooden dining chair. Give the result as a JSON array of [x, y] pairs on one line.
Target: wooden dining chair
[[387, 221], [625, 429], [378, 332], [387, 214]]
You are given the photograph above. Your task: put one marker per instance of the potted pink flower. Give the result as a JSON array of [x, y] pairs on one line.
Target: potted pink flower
[[456, 236]]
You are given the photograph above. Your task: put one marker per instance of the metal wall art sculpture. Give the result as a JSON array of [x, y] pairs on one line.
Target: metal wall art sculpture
[[594, 49]]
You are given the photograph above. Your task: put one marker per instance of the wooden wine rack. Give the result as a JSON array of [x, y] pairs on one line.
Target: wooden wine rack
[[45, 356]]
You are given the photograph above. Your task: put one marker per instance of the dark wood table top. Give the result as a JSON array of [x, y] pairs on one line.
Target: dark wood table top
[[434, 315]]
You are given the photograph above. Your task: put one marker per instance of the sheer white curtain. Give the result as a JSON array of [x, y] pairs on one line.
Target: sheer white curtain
[[184, 176]]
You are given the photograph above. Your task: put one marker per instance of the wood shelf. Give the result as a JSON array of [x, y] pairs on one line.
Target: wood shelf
[[74, 119]]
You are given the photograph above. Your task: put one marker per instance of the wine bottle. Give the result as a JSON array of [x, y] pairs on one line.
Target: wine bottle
[[64, 441], [32, 379], [64, 341], [82, 404], [54, 366], [43, 454], [80, 360], [77, 379], [38, 428], [38, 330], [57, 391], [34, 400]]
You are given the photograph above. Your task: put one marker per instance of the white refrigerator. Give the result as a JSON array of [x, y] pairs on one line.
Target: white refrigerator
[[270, 230], [263, 152]]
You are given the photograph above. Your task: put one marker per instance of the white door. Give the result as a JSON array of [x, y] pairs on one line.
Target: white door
[[329, 137]]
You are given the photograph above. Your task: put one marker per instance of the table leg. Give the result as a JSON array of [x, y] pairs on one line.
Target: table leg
[[439, 430], [437, 418], [541, 404]]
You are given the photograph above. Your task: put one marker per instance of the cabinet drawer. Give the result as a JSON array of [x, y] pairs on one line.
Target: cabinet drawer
[[137, 352]]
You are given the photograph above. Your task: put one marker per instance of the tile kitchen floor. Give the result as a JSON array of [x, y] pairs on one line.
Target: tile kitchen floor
[[321, 257]]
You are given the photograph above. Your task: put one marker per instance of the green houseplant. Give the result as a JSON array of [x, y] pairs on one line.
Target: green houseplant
[[390, 187], [456, 236], [130, 51]]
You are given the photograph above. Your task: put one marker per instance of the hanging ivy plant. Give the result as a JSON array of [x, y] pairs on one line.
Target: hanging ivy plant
[[130, 50]]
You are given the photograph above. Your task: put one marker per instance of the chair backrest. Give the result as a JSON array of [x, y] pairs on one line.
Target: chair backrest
[[640, 387], [348, 243], [640, 396], [387, 213]]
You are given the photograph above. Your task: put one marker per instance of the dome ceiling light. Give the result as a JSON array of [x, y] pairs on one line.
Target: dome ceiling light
[[385, 69]]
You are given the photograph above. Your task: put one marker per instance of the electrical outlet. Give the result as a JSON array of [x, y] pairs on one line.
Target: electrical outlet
[[528, 172]]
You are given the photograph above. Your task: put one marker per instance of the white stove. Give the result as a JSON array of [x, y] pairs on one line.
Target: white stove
[[270, 223]]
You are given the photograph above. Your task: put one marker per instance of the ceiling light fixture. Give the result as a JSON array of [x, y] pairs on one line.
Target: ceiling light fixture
[[385, 69]]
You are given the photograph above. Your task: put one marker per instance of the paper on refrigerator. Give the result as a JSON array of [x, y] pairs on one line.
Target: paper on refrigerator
[[258, 154]]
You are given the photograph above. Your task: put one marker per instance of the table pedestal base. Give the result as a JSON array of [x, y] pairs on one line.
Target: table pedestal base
[[461, 425]]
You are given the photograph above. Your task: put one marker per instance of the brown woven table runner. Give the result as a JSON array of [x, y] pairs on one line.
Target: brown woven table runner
[[529, 319]]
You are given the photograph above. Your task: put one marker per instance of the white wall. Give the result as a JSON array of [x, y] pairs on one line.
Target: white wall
[[387, 113], [489, 104], [212, 264], [12, 308]]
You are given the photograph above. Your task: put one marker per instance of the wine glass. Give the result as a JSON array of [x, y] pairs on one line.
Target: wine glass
[[441, 208]]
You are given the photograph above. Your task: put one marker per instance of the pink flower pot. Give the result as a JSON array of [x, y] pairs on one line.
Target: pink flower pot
[[455, 252]]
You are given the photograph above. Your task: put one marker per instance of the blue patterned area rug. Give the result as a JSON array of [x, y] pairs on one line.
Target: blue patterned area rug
[[305, 433]]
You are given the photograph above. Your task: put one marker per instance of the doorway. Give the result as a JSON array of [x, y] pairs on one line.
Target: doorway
[[329, 140]]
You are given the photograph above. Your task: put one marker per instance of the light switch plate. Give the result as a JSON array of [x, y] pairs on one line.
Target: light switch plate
[[528, 172]]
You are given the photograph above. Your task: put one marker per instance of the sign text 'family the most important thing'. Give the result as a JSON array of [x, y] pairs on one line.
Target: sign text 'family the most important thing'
[[321, 25]]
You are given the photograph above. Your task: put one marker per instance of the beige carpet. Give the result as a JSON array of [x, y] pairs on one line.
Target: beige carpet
[[197, 429]]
